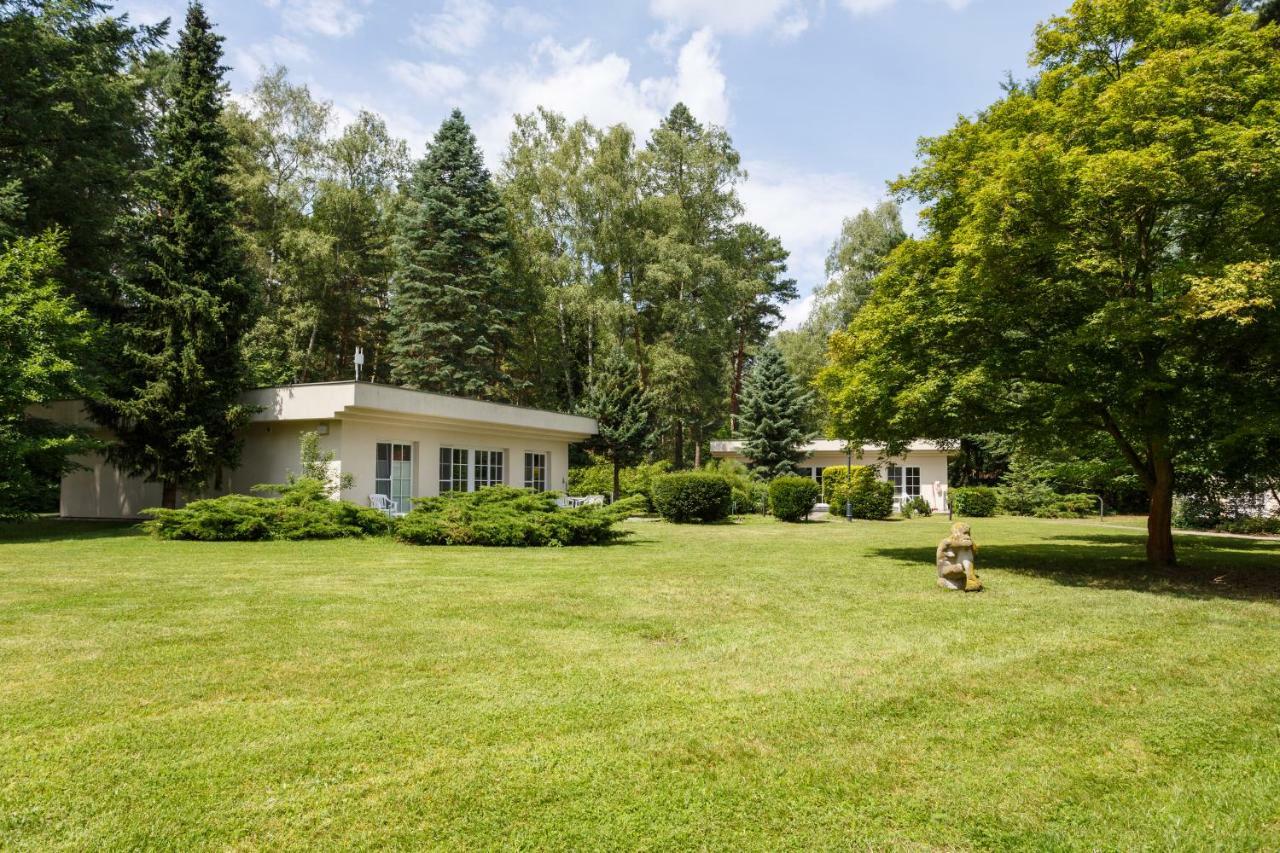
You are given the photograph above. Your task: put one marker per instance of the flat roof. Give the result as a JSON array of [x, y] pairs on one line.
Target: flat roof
[[355, 400]]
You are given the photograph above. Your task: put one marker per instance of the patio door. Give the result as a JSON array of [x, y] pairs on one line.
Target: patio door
[[393, 474]]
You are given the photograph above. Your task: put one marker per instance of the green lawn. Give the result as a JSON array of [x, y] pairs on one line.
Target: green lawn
[[756, 685]]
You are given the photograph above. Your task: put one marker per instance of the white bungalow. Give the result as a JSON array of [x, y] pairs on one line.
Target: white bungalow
[[397, 443], [920, 471]]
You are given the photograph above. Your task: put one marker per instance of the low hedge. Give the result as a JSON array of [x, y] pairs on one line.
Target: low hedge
[[974, 501], [1252, 525], [503, 516], [303, 511], [692, 496], [792, 498], [869, 496], [1068, 506]]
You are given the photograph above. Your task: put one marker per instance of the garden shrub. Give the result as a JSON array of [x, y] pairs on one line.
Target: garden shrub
[[792, 498], [749, 493], [1198, 511], [916, 506], [692, 496], [974, 501], [869, 497], [1068, 506], [597, 479], [1252, 525], [303, 511], [508, 517]]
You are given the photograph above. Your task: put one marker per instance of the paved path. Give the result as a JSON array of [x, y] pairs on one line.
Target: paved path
[[1260, 537]]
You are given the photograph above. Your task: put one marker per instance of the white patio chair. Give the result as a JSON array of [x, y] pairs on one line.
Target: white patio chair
[[383, 503]]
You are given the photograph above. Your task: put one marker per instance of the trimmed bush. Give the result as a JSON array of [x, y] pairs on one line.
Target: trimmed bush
[[869, 497], [974, 501], [792, 498], [1068, 506], [303, 511], [1252, 525], [750, 495], [597, 479], [692, 496], [502, 516], [916, 506]]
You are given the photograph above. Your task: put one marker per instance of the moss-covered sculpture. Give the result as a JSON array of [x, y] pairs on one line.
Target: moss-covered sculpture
[[956, 556]]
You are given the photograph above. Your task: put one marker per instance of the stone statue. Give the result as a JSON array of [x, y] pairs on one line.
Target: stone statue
[[956, 560]]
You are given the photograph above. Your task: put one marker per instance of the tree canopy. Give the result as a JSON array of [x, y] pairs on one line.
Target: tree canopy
[[1100, 254]]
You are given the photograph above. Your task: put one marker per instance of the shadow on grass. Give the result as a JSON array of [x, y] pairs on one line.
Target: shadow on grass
[[1208, 567], [59, 529]]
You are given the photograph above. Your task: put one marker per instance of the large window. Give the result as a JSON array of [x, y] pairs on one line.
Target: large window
[[535, 471], [489, 468], [393, 473], [454, 473], [906, 481]]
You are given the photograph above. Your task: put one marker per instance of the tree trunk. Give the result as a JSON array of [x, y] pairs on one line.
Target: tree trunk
[[617, 489], [1160, 518], [169, 497], [735, 394]]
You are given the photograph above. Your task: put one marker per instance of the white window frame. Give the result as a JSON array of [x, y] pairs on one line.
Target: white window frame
[[452, 483], [489, 466], [906, 481], [397, 486], [530, 470]]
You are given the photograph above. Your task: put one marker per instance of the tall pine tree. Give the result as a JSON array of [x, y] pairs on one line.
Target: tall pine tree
[[173, 397], [774, 412], [452, 312], [621, 410]]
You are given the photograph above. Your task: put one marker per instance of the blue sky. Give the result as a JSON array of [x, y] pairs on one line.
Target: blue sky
[[825, 100]]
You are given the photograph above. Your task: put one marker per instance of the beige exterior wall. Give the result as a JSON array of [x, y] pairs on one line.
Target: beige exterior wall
[[359, 453]]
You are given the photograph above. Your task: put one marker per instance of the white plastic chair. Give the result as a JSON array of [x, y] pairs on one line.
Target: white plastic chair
[[383, 503]]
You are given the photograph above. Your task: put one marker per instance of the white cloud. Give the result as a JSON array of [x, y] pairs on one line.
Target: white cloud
[[738, 17], [430, 80], [333, 18], [867, 7], [459, 27], [579, 82], [277, 50], [525, 21], [805, 209]]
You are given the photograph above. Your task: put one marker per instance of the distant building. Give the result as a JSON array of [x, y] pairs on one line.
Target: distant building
[[920, 471]]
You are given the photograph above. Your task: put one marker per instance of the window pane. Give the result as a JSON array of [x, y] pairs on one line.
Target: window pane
[[382, 463]]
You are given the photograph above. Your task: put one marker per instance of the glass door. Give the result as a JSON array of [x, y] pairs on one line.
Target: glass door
[[393, 474]]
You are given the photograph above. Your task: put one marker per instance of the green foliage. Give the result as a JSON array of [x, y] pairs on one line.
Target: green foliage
[[72, 134], [1100, 255], [503, 516], [689, 496], [854, 262], [46, 340], [750, 494], [317, 213], [868, 496], [1251, 525], [636, 481], [1067, 506], [974, 501], [916, 506], [774, 412], [792, 498], [620, 408], [172, 396], [452, 315], [303, 511], [1199, 511]]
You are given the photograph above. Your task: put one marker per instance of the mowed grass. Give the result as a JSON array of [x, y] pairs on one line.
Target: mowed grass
[[745, 686]]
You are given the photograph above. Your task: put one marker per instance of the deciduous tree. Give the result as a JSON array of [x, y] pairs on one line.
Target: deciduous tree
[[1101, 254]]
